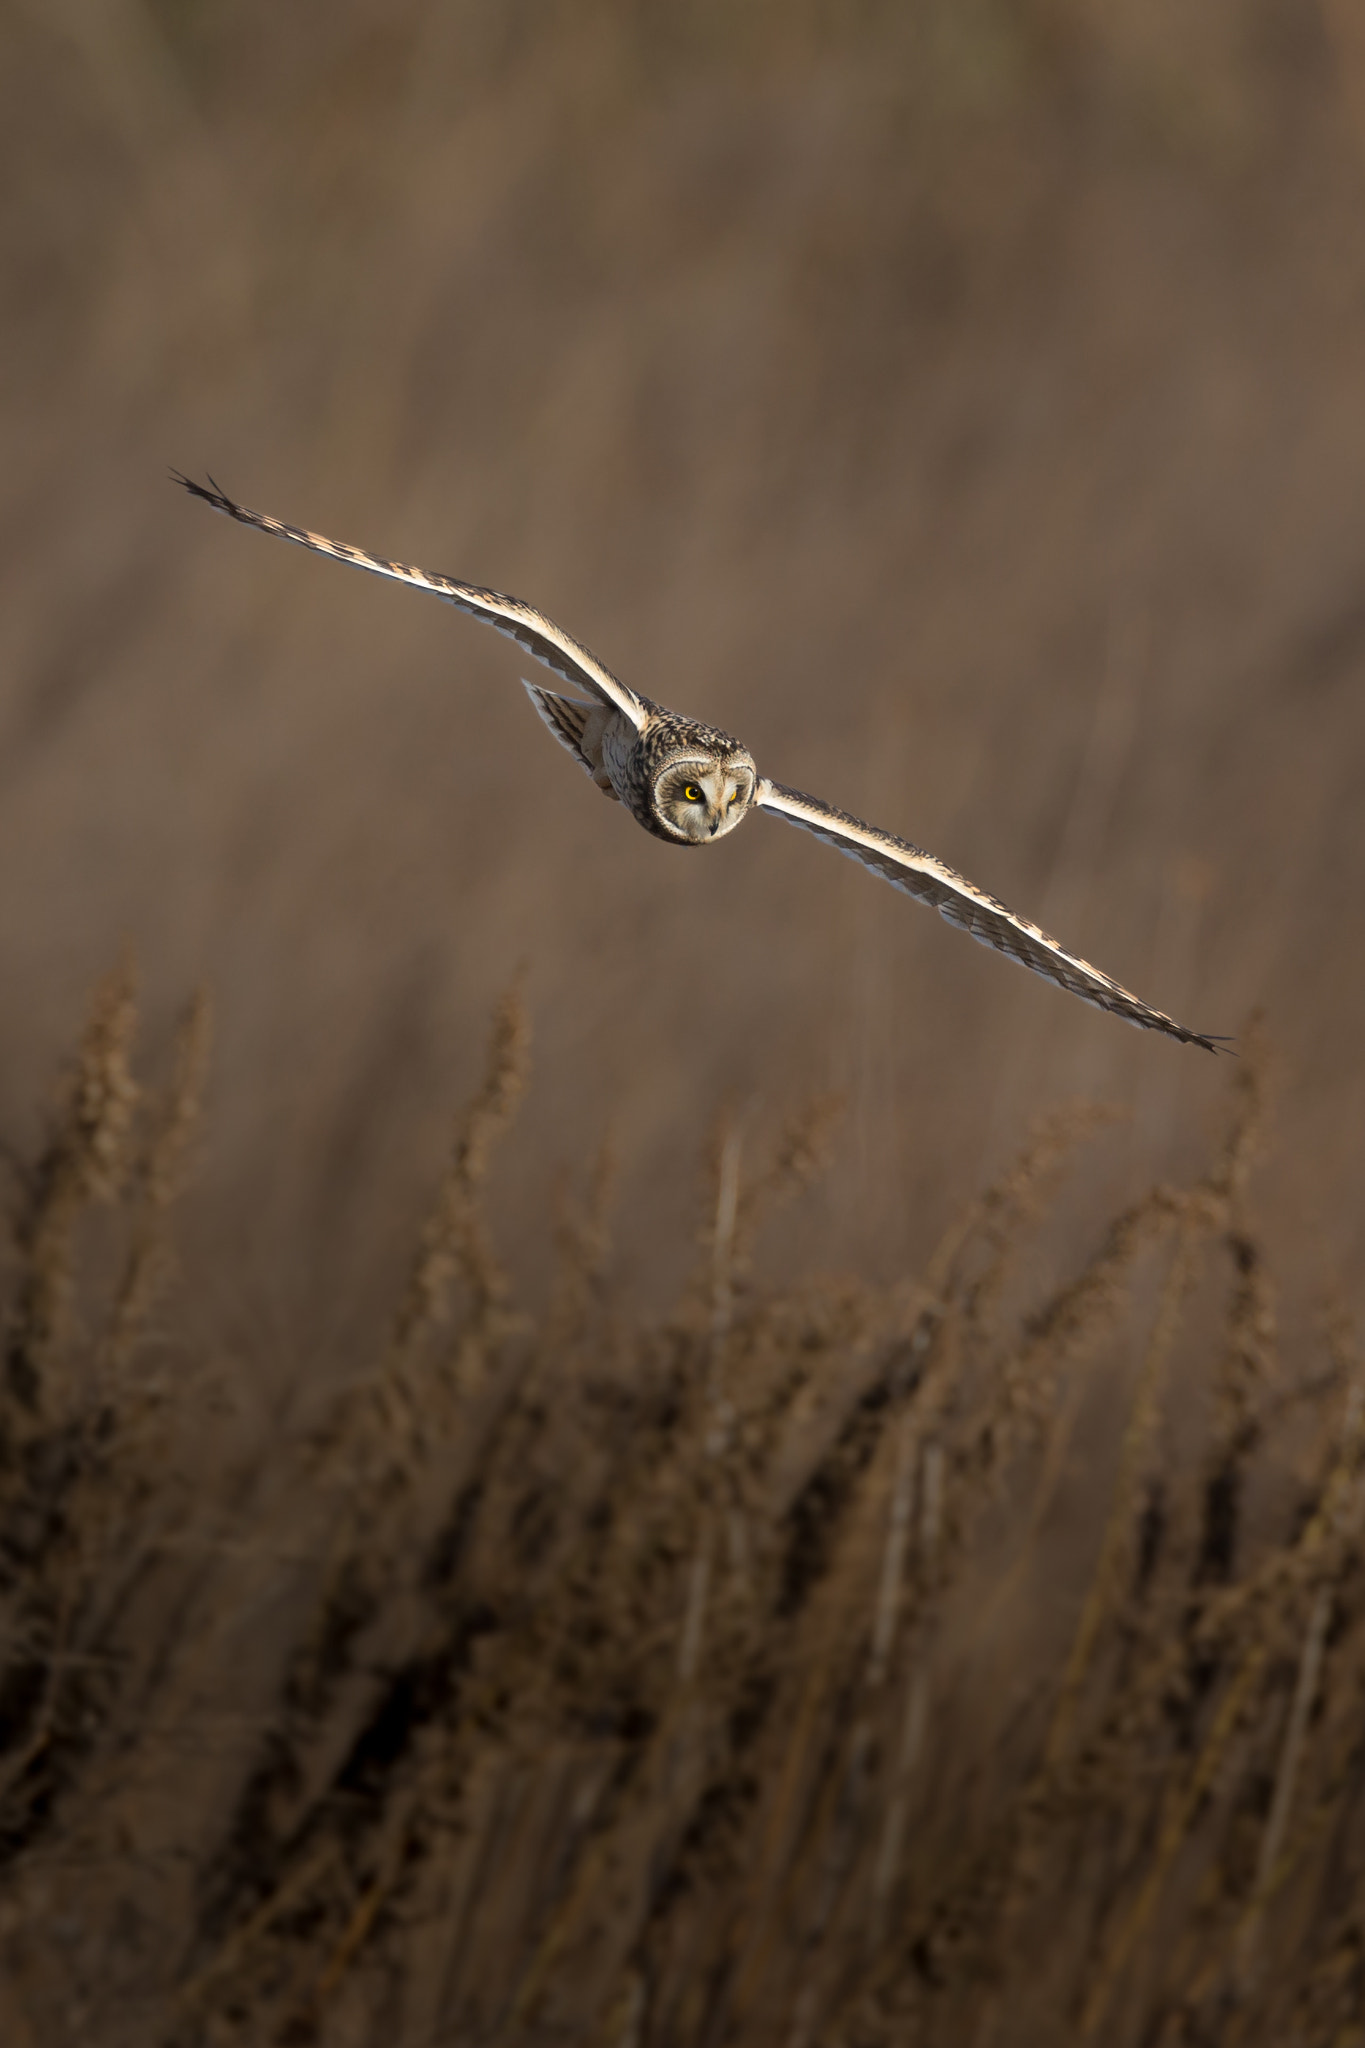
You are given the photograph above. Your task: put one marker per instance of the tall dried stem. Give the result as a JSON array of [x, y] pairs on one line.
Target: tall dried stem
[[157, 1183], [84, 1161]]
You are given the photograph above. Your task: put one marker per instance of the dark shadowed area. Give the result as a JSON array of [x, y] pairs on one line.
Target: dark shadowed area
[[964, 403]]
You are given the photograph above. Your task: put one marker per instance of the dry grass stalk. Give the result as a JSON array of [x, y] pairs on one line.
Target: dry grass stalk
[[910, 1746], [583, 1238], [454, 1240], [84, 1161], [1307, 1679], [921, 1377], [1200, 1213], [620, 1730], [893, 1556], [81, 1478], [1245, 1388], [1107, 1582], [800, 1155], [158, 1177], [1173, 1833], [993, 1220], [1315, 1557], [723, 1249], [383, 1436], [694, 1614]]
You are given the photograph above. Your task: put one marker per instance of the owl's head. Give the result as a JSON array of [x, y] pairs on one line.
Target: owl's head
[[700, 795]]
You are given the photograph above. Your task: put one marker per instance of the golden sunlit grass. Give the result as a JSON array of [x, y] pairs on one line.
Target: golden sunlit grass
[[964, 1659]]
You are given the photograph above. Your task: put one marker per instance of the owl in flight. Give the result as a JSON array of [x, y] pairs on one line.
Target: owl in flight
[[689, 783]]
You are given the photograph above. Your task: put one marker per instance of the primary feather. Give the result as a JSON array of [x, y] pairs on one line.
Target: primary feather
[[972, 910], [540, 636]]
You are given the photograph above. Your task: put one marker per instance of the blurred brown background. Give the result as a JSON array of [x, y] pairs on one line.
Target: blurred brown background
[[963, 402]]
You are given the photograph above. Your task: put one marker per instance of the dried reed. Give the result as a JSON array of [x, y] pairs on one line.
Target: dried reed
[[631, 1696]]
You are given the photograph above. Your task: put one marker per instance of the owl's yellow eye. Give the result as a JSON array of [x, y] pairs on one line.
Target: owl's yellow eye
[[691, 794]]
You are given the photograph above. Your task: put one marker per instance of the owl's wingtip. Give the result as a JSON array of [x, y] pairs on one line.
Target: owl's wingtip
[[214, 495]]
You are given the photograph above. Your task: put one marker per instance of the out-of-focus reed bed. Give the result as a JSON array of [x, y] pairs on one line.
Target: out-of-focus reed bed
[[975, 1658], [959, 400]]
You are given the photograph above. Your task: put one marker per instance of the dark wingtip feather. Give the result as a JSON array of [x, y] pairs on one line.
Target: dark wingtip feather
[[214, 495], [1212, 1042]]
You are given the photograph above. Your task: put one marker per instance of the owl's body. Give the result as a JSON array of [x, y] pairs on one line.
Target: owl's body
[[687, 782], [639, 765]]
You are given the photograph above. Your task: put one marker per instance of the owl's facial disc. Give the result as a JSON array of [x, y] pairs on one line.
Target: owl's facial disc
[[699, 799]]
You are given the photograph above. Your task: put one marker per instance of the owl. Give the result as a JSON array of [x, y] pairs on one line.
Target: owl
[[689, 783]]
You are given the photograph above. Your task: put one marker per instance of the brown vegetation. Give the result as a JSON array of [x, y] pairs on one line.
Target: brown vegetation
[[772, 1671]]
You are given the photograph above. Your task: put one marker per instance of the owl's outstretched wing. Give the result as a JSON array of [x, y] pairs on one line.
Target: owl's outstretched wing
[[540, 636], [963, 904]]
